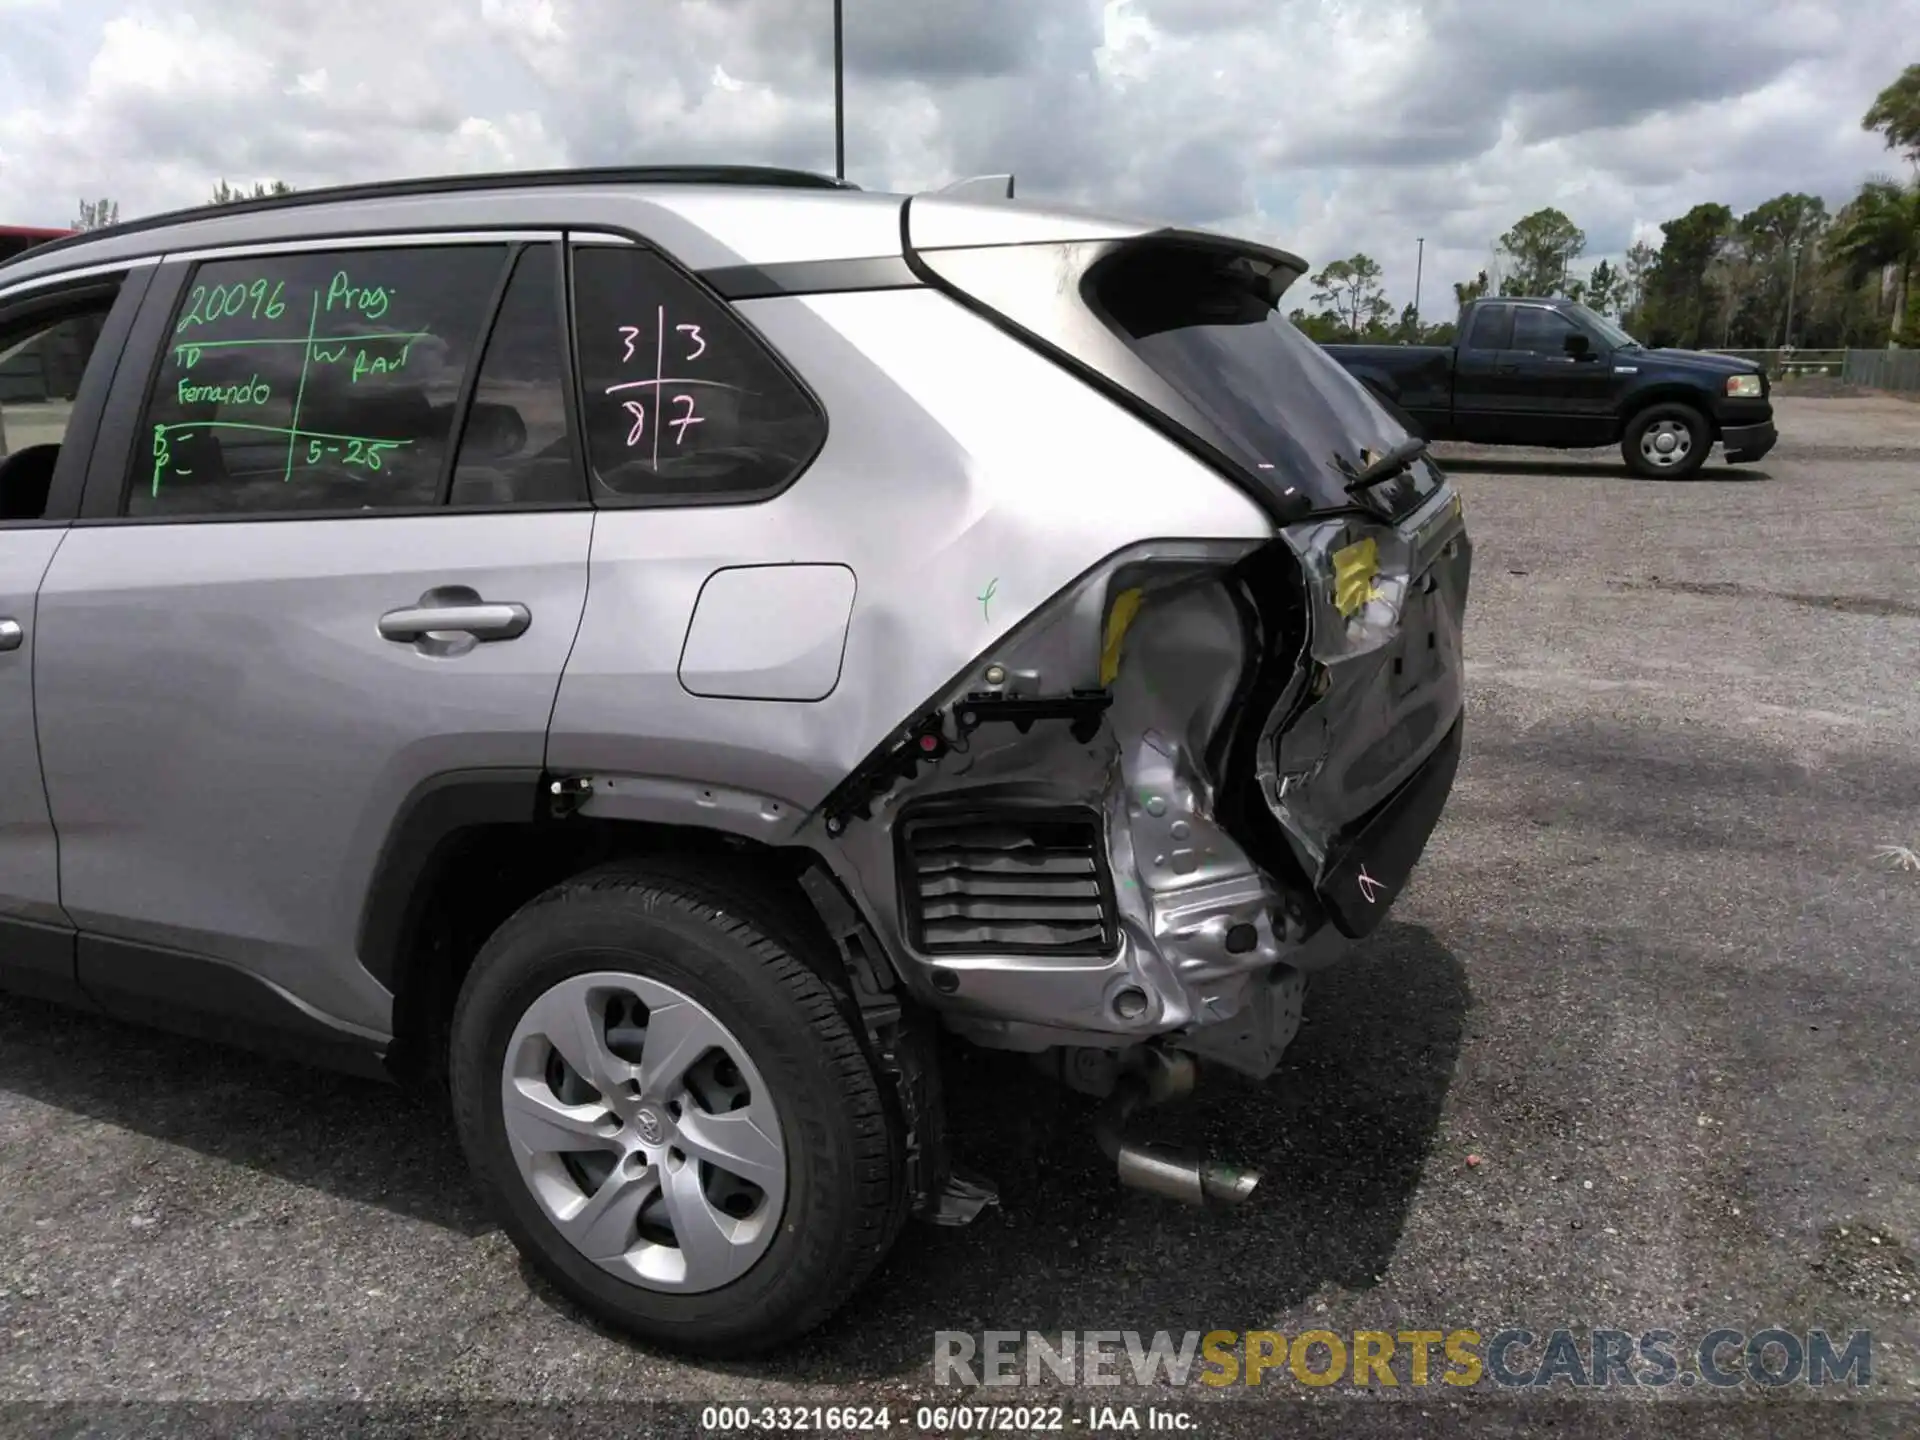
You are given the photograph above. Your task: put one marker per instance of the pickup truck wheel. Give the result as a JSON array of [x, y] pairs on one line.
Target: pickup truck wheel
[[670, 1113], [1667, 442]]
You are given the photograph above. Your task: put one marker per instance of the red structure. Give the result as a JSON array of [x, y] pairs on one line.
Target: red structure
[[15, 238]]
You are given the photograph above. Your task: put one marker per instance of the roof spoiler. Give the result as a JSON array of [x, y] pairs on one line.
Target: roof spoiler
[[1264, 270], [973, 212], [980, 187]]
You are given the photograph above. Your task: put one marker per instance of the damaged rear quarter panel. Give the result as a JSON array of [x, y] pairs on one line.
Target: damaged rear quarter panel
[[1168, 649], [1178, 885], [1247, 725], [965, 481], [997, 511]]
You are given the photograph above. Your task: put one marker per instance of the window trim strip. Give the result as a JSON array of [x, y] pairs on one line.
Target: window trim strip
[[65, 277], [470, 382], [240, 249], [813, 277]]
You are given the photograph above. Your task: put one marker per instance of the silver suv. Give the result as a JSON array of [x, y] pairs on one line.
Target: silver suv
[[654, 648]]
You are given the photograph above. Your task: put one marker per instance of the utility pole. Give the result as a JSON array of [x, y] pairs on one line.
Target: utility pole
[[1419, 266], [839, 98]]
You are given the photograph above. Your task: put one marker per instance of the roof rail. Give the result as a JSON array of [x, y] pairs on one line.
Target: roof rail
[[980, 187], [485, 180]]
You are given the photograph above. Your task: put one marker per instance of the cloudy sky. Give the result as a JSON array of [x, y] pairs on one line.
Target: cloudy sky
[[1323, 125]]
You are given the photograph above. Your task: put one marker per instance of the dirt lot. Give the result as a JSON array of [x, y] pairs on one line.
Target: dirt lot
[[1650, 971]]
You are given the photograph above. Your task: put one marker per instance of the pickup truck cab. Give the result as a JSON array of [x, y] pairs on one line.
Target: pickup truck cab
[[1555, 374]]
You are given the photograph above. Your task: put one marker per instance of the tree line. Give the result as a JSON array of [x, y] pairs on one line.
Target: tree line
[[98, 214], [1785, 272]]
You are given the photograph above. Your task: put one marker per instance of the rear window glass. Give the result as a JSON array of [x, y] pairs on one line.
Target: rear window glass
[[1279, 404]]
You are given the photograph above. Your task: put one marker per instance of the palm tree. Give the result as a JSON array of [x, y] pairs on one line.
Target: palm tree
[[1879, 231]]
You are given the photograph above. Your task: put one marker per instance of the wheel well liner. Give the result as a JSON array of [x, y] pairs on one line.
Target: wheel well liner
[[470, 847], [431, 817]]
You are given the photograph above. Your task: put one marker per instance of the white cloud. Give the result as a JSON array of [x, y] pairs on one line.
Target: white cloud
[[1326, 126], [535, 20]]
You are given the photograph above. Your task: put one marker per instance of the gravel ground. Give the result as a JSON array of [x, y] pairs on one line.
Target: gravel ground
[[1650, 973]]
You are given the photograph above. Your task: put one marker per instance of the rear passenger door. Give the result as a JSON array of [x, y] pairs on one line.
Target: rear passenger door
[[333, 549]]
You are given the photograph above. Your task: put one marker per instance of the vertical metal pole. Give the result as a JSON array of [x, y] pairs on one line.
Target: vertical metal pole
[[1419, 267], [839, 98], [1793, 275]]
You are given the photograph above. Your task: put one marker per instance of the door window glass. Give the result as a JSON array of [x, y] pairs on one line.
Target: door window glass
[[319, 383], [1542, 332]]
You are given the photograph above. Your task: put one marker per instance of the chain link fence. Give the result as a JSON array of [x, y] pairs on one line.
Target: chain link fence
[[1883, 369]]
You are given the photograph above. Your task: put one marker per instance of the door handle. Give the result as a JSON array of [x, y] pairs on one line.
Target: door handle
[[1506, 369], [11, 634], [483, 622], [452, 611]]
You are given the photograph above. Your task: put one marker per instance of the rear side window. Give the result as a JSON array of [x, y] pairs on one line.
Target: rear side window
[[683, 403], [1492, 328], [324, 382]]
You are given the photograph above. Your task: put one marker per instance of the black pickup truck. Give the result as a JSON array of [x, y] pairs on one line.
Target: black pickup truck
[[1553, 373]]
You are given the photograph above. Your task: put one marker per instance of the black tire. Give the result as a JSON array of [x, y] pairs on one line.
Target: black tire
[[1699, 441], [715, 943]]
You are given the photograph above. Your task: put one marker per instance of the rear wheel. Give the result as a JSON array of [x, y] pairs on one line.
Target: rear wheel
[[1667, 442], [672, 1117]]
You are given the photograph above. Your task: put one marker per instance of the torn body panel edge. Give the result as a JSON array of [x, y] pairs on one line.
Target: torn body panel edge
[[1202, 771]]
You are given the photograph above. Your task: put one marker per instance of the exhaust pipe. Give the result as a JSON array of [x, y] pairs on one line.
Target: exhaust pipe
[[1183, 1177], [1178, 1176]]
